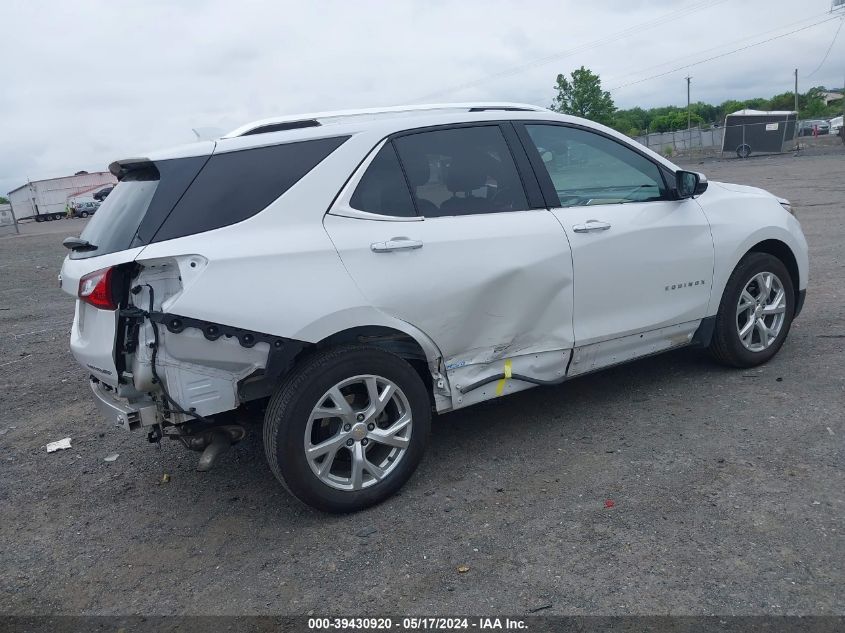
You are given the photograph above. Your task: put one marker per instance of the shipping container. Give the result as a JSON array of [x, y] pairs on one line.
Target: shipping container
[[43, 200]]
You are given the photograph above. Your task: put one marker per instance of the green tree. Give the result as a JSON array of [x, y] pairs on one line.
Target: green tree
[[632, 122], [581, 95], [729, 107], [708, 113], [783, 101], [4, 200], [813, 105], [758, 103], [674, 121]]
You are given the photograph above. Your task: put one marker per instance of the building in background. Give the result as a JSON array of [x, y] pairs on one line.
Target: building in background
[[44, 200]]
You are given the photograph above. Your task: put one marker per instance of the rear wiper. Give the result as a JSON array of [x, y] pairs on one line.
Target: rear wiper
[[78, 244]]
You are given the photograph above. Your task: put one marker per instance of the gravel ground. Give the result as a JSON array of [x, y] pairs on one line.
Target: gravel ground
[[728, 486]]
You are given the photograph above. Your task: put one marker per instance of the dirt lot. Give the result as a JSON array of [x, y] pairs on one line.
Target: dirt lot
[[729, 486]]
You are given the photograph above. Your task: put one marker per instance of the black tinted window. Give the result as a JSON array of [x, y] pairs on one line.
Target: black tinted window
[[461, 171], [117, 219], [588, 168], [132, 212], [383, 188], [234, 186]]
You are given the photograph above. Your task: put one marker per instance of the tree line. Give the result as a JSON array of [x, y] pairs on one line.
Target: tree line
[[581, 95]]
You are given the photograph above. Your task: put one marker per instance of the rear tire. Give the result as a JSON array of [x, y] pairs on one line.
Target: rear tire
[[376, 442], [753, 322], [83, 215], [743, 151]]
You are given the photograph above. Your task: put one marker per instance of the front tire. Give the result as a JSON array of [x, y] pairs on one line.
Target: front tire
[[347, 428], [755, 313]]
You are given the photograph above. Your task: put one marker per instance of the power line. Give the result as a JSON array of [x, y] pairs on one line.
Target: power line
[[710, 59], [672, 15], [626, 74], [829, 48]]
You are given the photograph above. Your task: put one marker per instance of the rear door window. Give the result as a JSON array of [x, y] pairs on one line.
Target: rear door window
[[461, 171]]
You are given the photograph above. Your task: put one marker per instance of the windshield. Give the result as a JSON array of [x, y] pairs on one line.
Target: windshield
[[116, 221]]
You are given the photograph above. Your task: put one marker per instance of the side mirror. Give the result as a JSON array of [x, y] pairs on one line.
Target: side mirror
[[689, 184]]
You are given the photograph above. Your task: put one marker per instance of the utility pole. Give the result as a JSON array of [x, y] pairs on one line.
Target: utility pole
[[796, 91], [689, 113]]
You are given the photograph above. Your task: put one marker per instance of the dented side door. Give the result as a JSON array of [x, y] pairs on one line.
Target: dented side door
[[488, 287], [481, 286]]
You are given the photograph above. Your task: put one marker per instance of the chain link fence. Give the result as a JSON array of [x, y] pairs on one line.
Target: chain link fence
[[742, 139], [7, 220], [683, 140]]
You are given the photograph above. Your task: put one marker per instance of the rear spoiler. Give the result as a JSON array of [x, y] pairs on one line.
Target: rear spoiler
[[122, 167]]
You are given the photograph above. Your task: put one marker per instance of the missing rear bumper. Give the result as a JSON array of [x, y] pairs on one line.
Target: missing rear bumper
[[121, 412]]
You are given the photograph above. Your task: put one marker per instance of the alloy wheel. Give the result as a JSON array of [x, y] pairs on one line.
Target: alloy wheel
[[761, 311], [358, 432]]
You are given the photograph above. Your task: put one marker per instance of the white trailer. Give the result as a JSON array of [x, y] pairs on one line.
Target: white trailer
[[44, 200]]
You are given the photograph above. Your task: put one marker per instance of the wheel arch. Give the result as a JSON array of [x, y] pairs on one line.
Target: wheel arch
[[779, 242], [782, 251], [388, 339], [394, 336]]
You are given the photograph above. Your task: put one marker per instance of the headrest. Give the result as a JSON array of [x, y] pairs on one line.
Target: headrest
[[466, 173]]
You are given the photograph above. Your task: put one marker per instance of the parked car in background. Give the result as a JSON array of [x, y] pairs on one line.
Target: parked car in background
[[84, 209], [350, 273], [103, 193], [835, 125], [807, 128]]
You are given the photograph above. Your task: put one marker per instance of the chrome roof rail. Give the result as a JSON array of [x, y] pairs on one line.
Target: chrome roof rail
[[296, 121]]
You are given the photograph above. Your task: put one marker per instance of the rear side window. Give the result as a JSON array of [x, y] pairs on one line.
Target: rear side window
[[173, 198], [383, 188], [461, 171], [234, 186]]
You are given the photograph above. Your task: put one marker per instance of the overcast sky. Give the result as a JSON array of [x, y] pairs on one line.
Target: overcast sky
[[83, 83]]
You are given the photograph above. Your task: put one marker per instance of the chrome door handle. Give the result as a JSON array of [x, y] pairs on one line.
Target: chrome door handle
[[591, 225], [396, 244]]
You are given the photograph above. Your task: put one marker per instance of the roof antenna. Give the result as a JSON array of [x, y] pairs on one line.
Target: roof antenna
[[207, 133]]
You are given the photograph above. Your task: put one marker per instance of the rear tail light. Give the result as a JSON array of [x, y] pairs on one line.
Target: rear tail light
[[96, 288]]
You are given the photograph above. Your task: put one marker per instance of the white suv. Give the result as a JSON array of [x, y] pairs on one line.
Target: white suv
[[355, 271]]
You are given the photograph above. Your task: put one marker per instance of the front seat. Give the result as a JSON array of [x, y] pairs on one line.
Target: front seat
[[464, 175]]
